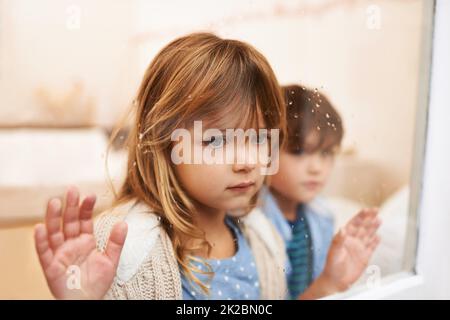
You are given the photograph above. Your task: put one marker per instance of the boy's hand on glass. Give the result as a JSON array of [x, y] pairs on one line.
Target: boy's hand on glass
[[73, 267], [351, 250]]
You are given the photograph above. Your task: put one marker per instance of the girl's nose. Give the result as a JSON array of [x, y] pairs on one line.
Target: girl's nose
[[245, 159], [245, 167]]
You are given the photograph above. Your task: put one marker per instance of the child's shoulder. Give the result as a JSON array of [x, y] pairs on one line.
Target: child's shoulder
[[144, 239], [320, 206], [257, 221], [139, 217]]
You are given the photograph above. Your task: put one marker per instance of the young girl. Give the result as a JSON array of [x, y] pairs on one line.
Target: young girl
[[181, 239], [176, 214]]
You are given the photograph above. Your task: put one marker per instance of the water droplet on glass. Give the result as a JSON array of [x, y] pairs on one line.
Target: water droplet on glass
[[309, 99], [327, 115], [292, 92], [318, 128], [303, 88], [312, 110], [141, 135], [295, 115], [290, 103], [306, 236], [317, 105], [328, 123]]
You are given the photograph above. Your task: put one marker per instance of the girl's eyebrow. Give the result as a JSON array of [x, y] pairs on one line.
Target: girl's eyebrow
[[224, 132]]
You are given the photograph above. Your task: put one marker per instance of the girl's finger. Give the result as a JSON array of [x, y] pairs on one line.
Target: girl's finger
[[53, 224], [42, 245], [71, 222], [86, 210], [116, 242]]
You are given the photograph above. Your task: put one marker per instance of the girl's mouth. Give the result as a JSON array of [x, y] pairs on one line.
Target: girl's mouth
[[242, 187]]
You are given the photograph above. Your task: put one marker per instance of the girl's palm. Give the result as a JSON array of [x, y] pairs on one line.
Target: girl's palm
[[66, 246]]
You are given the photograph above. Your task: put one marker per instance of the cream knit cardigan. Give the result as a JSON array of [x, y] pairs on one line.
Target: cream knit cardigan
[[148, 268]]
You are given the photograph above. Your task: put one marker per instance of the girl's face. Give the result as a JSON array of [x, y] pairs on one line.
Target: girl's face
[[226, 186], [301, 177]]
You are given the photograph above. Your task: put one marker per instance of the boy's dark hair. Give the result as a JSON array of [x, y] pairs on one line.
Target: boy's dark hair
[[309, 111]]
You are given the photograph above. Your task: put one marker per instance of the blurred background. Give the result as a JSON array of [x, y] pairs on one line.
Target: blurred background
[[69, 71]]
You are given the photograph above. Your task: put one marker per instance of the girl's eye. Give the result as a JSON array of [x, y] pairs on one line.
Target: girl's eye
[[259, 139], [215, 142]]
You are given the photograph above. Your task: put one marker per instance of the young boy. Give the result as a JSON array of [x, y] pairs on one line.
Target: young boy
[[292, 201]]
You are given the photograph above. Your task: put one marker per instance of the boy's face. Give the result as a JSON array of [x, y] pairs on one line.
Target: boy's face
[[301, 177]]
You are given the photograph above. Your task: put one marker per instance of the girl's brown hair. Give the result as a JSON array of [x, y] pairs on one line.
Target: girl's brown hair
[[196, 77]]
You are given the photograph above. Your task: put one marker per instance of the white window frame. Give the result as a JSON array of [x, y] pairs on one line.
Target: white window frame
[[429, 227]]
